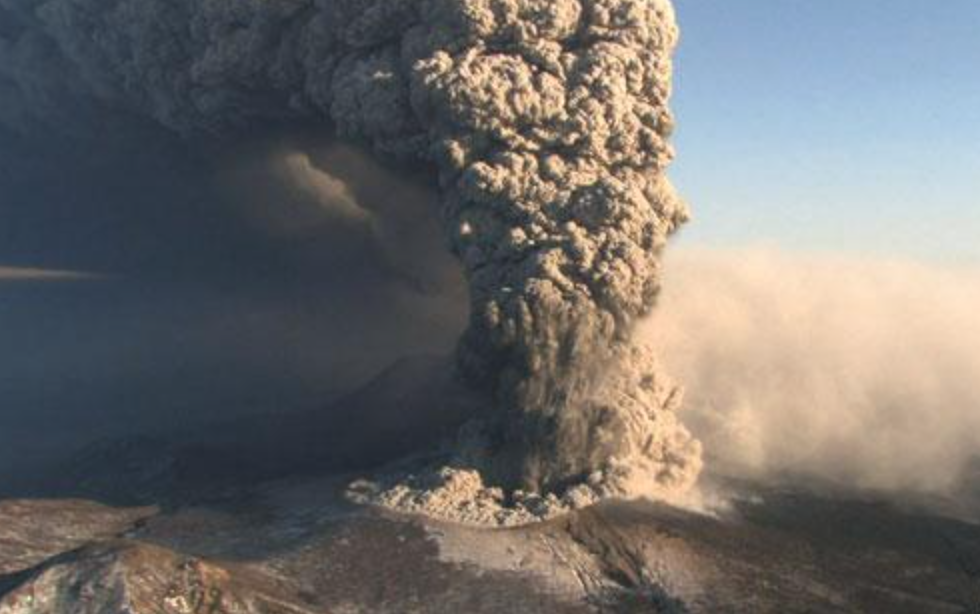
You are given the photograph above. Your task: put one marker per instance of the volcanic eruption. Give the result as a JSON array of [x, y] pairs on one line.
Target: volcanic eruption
[[547, 123]]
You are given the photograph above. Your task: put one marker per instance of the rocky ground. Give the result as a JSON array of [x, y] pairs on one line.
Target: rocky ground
[[254, 518], [299, 546]]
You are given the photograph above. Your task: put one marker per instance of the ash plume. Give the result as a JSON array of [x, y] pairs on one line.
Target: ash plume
[[858, 370], [547, 123]]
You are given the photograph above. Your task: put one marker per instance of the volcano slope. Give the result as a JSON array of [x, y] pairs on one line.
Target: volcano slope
[[272, 530], [299, 546]]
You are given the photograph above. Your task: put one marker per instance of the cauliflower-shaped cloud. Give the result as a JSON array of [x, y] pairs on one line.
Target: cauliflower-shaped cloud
[[548, 123]]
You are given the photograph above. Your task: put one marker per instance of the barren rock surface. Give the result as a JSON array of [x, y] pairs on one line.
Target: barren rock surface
[[256, 518], [300, 546]]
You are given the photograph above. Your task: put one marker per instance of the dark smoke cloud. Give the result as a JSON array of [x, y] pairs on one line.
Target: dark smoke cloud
[[194, 309], [547, 124]]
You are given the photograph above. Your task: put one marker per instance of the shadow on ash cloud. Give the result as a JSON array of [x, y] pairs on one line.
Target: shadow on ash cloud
[[863, 372], [237, 285]]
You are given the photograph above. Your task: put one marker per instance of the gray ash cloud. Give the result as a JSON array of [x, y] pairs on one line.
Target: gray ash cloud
[[546, 121]]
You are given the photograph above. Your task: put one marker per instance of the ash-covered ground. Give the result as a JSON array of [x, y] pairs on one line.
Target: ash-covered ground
[[255, 516]]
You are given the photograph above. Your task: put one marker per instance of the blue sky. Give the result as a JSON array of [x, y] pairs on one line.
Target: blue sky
[[832, 125]]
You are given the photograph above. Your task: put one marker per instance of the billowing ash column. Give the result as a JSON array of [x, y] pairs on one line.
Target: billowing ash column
[[548, 122]]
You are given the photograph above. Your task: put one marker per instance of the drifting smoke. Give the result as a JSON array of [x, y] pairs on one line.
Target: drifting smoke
[[300, 193], [864, 372], [9, 274], [547, 122]]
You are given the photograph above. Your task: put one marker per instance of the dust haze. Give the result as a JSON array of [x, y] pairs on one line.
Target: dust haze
[[860, 370]]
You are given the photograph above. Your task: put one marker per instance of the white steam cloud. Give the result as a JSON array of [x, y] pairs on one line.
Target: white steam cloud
[[865, 372]]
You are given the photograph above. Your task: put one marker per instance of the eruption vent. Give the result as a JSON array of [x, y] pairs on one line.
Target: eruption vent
[[548, 123]]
